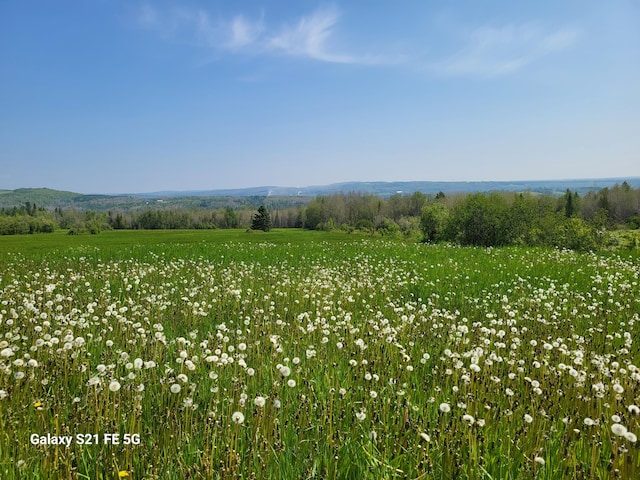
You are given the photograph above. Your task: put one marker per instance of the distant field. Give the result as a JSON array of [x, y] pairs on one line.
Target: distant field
[[296, 354], [113, 241]]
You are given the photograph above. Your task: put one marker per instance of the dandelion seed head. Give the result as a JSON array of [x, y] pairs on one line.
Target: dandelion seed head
[[618, 429], [469, 419], [237, 417]]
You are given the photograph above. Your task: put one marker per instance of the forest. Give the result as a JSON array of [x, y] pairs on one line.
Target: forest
[[482, 219]]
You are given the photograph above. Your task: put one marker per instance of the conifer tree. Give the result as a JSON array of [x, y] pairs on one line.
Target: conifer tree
[[261, 220]]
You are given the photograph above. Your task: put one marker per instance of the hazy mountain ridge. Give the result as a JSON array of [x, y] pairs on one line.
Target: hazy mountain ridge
[[277, 196], [390, 188]]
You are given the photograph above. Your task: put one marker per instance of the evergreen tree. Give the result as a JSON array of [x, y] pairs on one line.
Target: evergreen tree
[[261, 220], [568, 206]]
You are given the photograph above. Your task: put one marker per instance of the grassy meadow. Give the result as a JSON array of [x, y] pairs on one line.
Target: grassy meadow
[[314, 355]]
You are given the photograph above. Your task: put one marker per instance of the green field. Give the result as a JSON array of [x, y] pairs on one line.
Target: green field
[[295, 355]]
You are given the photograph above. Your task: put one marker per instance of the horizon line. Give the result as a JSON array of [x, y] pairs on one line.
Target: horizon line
[[575, 179]]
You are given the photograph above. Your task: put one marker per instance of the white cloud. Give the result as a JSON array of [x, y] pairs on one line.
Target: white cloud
[[308, 37], [492, 51], [243, 32]]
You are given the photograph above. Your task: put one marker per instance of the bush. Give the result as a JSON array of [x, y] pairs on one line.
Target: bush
[[365, 225], [634, 222], [388, 228]]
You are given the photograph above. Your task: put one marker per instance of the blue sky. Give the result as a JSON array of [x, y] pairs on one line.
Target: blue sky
[[123, 96]]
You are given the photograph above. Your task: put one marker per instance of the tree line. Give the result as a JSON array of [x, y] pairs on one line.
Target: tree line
[[483, 219]]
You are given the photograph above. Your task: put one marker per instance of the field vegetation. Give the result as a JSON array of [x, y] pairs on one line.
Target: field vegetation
[[477, 219], [305, 354]]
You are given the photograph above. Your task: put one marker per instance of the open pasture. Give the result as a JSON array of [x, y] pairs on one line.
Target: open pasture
[[314, 355]]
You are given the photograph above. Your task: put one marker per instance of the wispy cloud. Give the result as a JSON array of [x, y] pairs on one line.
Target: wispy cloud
[[486, 51], [244, 32], [308, 37], [495, 51]]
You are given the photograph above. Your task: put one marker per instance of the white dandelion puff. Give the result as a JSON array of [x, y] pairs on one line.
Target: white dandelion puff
[[469, 419], [7, 352], [237, 417], [619, 430]]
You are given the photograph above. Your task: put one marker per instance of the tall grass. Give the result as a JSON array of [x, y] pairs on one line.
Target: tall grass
[[343, 357]]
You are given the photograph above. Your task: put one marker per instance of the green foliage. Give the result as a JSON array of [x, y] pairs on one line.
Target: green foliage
[[634, 222], [230, 218], [261, 220], [480, 220], [365, 225], [315, 214], [433, 220], [388, 228], [25, 224]]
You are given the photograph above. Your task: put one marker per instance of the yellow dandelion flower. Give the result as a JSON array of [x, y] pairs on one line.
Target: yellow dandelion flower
[[37, 404], [123, 474]]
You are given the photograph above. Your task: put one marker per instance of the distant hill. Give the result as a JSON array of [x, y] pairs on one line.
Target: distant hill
[[41, 196], [282, 197], [553, 187]]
